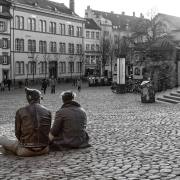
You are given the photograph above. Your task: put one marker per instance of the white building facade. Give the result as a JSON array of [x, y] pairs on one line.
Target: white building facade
[[5, 56], [92, 48], [46, 41]]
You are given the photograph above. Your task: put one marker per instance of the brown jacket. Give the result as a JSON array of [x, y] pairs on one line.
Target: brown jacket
[[32, 125], [69, 126]]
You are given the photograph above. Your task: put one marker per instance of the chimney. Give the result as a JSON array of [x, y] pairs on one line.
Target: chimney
[[71, 5], [134, 15], [88, 7], [123, 13]]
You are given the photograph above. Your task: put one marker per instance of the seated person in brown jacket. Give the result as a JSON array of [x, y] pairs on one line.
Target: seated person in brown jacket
[[69, 126], [32, 126]]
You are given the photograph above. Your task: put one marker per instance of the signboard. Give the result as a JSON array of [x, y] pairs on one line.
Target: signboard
[[121, 71]]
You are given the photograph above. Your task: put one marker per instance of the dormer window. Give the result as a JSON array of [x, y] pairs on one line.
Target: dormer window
[[0, 9]]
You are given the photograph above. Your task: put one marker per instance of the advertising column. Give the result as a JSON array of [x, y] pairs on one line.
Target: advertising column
[[121, 75]]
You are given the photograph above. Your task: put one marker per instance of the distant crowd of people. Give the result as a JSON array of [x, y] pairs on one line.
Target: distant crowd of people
[[45, 83]]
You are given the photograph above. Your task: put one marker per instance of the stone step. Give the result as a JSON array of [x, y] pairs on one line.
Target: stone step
[[175, 94], [172, 97], [167, 100]]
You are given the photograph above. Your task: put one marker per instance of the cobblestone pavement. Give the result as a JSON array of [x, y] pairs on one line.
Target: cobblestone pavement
[[129, 140]]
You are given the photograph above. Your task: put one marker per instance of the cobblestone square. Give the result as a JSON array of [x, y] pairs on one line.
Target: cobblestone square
[[130, 140]]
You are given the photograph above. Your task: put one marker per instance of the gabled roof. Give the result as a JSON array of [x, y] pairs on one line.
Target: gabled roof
[[48, 5], [117, 19], [174, 21], [91, 24]]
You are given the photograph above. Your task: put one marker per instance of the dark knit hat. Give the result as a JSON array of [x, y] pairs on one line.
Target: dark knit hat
[[68, 95], [32, 94]]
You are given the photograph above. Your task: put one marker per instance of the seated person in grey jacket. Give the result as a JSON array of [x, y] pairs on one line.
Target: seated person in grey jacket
[[69, 125], [32, 126]]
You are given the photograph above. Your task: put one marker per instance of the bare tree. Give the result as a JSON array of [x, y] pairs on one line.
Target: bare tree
[[105, 50], [148, 30]]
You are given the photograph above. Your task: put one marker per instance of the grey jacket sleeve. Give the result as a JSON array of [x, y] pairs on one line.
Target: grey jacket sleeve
[[57, 125], [17, 125]]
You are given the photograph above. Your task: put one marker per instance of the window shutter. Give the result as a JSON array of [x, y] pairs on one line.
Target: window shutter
[[1, 43], [1, 59], [9, 60], [9, 45]]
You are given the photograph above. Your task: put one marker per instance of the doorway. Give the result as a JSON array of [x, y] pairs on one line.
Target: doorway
[[53, 69], [5, 74]]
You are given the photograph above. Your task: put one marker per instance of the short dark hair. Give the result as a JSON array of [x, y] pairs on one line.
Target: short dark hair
[[32, 94], [68, 96]]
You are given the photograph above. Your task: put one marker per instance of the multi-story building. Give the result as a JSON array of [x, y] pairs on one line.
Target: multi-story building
[[5, 18], [92, 48], [114, 27], [46, 40]]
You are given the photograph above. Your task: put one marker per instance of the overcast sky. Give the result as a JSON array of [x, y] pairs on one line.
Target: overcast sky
[[171, 7]]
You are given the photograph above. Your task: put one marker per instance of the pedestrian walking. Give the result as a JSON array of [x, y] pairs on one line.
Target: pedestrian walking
[[9, 84], [44, 85], [2, 86], [79, 84], [53, 85]]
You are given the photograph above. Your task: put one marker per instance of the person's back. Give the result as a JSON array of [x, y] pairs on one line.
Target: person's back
[[69, 126], [35, 120], [32, 126]]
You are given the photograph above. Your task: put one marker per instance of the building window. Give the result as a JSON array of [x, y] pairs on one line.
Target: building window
[[31, 45], [71, 48], [19, 67], [79, 67], [71, 30], [4, 43], [42, 26], [87, 34], [71, 67], [19, 22], [87, 59], [52, 27], [32, 67], [0, 9], [62, 67], [87, 47], [97, 47], [92, 35], [53, 47], [43, 67], [79, 48], [97, 35], [31, 24], [19, 45], [62, 48], [5, 60], [2, 26], [42, 46], [93, 60], [79, 31], [92, 47], [62, 29]]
